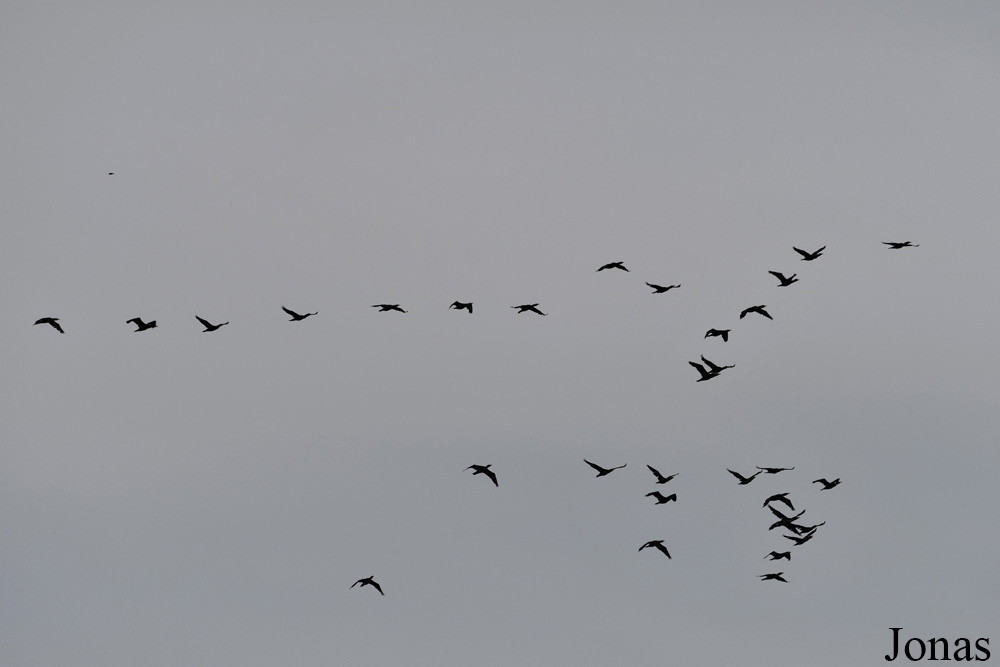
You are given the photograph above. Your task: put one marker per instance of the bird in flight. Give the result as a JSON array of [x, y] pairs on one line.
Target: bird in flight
[[52, 321], [894, 245], [660, 289], [660, 479], [524, 308], [601, 472], [484, 470], [140, 325], [458, 305], [774, 471], [756, 309], [784, 282], [705, 375], [809, 256], [368, 581], [743, 480], [799, 540], [786, 521], [614, 265], [715, 369], [662, 499], [774, 576], [721, 333], [827, 485], [779, 498], [386, 307], [656, 544], [208, 325], [295, 316], [778, 555]]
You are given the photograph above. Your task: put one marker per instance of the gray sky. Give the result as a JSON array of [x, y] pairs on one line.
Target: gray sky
[[181, 498]]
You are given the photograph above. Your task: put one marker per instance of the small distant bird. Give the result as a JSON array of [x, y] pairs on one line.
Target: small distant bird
[[786, 521], [743, 480], [601, 472], [111, 173], [52, 321], [893, 245], [774, 471], [295, 316], [778, 555], [368, 581], [784, 282], [827, 485], [660, 479], [774, 576], [458, 305], [809, 256], [779, 498], [660, 289], [715, 369], [386, 307], [756, 309], [614, 265], [705, 374], [662, 499], [799, 540], [140, 325], [656, 544], [524, 308], [208, 325], [806, 530], [484, 470], [721, 333]]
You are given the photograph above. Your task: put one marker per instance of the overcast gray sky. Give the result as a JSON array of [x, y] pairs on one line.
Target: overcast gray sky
[[174, 497]]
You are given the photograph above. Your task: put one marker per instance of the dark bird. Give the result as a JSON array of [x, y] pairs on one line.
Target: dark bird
[[601, 472], [784, 282], [743, 480], [386, 307], [779, 498], [774, 576], [484, 470], [52, 321], [662, 499], [533, 307], [458, 305], [614, 265], [897, 245], [721, 333], [715, 369], [809, 256], [786, 521], [142, 326], [660, 479], [368, 581], [799, 540], [208, 325], [827, 485], [756, 309], [295, 316], [778, 555], [774, 471], [656, 544], [806, 530], [705, 375], [111, 173], [660, 289]]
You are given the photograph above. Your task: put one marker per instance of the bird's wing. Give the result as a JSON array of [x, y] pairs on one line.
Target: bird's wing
[[205, 323], [377, 587], [594, 466], [290, 312], [492, 475], [663, 549]]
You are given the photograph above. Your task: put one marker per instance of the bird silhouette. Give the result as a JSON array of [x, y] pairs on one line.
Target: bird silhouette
[[774, 471], [743, 480], [656, 544], [208, 325], [601, 472], [809, 256], [368, 581], [660, 289], [484, 470], [779, 498], [894, 245], [715, 369], [386, 307], [778, 555], [799, 540], [721, 333], [783, 520], [806, 530], [784, 282], [827, 485], [52, 321], [660, 479], [140, 325], [614, 265], [662, 499], [705, 374], [458, 305], [774, 576], [524, 308], [756, 309], [295, 316]]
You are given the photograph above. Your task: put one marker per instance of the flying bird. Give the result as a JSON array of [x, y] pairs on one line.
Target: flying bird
[[524, 308], [208, 325], [705, 375], [614, 265], [809, 256], [774, 471], [778, 555], [140, 325], [827, 485], [662, 499], [784, 282], [601, 472], [368, 581], [721, 333], [386, 307], [786, 521], [743, 480], [458, 305], [660, 289], [484, 470], [295, 316], [52, 321], [656, 544], [756, 309], [715, 369], [894, 245], [779, 498], [799, 540], [774, 576], [660, 479]]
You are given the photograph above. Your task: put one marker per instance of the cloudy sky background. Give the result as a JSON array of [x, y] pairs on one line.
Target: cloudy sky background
[[176, 497]]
